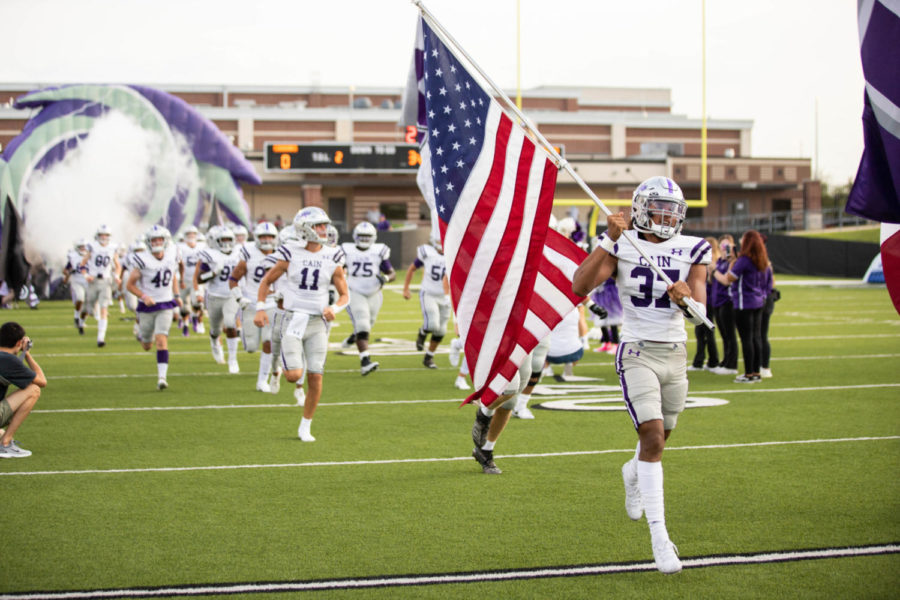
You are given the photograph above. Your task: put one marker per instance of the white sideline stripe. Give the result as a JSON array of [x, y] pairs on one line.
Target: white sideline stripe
[[541, 398], [398, 461], [451, 578]]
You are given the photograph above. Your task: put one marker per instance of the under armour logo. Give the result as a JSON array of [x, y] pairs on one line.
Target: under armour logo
[[678, 251], [634, 352]]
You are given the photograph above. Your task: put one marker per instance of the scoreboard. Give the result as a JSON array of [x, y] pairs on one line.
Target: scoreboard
[[354, 157]]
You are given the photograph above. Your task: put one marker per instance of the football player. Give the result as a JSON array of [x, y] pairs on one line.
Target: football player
[[244, 284], [103, 274], [240, 236], [129, 264], [368, 269], [309, 271], [73, 274], [191, 294], [287, 235], [154, 281], [214, 267], [651, 360], [434, 297]]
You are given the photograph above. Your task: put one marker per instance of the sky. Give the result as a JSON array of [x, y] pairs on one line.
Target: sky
[[778, 63]]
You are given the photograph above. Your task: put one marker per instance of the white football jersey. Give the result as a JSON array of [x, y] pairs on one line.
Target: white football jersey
[[189, 258], [100, 262], [73, 264], [257, 265], [156, 273], [363, 266], [218, 285], [432, 263], [308, 277], [649, 313]]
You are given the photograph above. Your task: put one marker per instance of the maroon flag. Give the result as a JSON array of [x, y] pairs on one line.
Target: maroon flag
[[491, 188]]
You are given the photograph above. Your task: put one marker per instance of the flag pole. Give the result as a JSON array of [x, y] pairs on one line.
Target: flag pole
[[561, 163]]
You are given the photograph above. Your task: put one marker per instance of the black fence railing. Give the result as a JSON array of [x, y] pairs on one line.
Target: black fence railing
[[778, 221]]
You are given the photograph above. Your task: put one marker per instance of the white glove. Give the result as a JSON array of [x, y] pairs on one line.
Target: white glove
[[217, 266], [244, 302]]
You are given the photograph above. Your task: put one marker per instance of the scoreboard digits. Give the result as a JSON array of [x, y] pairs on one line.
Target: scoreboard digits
[[337, 157]]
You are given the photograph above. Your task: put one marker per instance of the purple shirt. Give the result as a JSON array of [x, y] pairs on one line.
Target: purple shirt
[[749, 291], [718, 293]]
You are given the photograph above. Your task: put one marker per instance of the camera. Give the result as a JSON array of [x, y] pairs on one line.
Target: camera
[[28, 345]]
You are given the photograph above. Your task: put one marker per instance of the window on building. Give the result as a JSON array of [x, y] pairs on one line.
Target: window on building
[[337, 212], [781, 205], [394, 211]]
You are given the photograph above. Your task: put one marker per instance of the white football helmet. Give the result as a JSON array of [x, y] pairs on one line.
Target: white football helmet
[[190, 234], [221, 238], [104, 232], [288, 234], [364, 235], [436, 242], [305, 222], [157, 238], [658, 197], [331, 233], [240, 234], [265, 230], [81, 245], [137, 246]]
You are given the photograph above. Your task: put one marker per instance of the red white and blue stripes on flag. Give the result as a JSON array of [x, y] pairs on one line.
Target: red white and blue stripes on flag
[[491, 192], [876, 190]]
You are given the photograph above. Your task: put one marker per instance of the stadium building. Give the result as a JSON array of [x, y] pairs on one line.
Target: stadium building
[[342, 148]]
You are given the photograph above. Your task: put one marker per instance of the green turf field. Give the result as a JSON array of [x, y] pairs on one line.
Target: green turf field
[[205, 486]]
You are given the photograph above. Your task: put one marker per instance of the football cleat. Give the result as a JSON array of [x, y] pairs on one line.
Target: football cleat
[[262, 386], [666, 557], [429, 362], [304, 436], [348, 343], [480, 428], [461, 384], [420, 340], [233, 367], [275, 381], [634, 505], [485, 458], [218, 354], [523, 413], [300, 396], [100, 343], [200, 328], [368, 368], [162, 384]]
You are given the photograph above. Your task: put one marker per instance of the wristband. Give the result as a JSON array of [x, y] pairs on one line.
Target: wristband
[[607, 244], [336, 309], [260, 306]]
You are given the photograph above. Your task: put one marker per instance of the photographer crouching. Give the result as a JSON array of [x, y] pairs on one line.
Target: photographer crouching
[[30, 379]]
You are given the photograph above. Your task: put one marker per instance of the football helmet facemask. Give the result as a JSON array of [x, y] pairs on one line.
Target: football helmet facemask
[[222, 239], [104, 233], [157, 239], [305, 223], [364, 235], [269, 232], [658, 207]]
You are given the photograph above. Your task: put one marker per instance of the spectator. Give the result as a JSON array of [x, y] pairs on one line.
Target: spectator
[[723, 309], [383, 223], [706, 337], [30, 379], [748, 296], [772, 295]]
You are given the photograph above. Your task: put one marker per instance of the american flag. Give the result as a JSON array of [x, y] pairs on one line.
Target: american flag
[[876, 191], [491, 192]]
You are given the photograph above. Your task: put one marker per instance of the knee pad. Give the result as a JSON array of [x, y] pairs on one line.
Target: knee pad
[[362, 335], [436, 338], [534, 379]]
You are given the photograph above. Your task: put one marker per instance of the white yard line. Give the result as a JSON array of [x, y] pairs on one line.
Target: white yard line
[[396, 581], [397, 461]]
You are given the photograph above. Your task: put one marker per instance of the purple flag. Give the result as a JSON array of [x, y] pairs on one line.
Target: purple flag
[[876, 190]]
